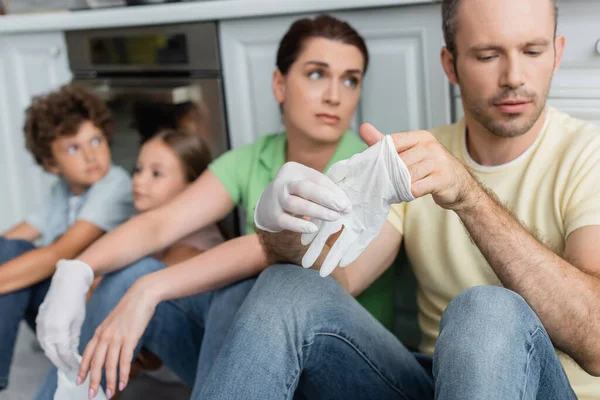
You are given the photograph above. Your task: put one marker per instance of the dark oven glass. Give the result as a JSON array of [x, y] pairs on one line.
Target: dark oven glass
[[141, 50]]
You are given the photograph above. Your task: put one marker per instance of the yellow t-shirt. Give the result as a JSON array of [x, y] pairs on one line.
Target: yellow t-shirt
[[553, 188]]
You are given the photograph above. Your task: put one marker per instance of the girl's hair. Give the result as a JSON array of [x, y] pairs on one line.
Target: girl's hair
[[194, 155], [323, 26], [191, 150]]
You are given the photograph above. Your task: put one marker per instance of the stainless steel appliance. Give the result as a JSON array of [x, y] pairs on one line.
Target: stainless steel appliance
[[154, 77]]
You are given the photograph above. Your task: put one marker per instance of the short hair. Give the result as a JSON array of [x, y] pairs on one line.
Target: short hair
[[449, 22], [61, 113]]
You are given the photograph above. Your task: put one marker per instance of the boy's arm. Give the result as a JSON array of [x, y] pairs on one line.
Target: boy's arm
[[23, 231], [39, 264]]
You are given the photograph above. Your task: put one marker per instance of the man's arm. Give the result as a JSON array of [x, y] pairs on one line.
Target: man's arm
[[39, 264], [355, 278], [23, 231], [564, 293]]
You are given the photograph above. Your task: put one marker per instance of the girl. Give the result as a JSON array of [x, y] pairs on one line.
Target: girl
[[321, 63]]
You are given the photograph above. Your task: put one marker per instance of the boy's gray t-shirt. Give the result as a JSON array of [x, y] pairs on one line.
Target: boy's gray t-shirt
[[106, 204]]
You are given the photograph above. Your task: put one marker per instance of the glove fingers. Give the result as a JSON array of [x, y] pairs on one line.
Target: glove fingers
[[66, 354], [341, 246], [51, 352], [306, 238], [290, 223], [318, 243], [355, 250], [312, 208], [328, 197]]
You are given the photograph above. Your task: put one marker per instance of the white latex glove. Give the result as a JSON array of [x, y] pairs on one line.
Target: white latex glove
[[373, 180], [299, 191], [67, 388], [61, 315]]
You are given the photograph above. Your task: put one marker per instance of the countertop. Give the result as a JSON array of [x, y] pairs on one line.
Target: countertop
[[180, 12]]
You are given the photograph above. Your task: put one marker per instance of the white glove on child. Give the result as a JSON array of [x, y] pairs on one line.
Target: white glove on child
[[61, 315], [373, 180], [298, 190], [67, 388]]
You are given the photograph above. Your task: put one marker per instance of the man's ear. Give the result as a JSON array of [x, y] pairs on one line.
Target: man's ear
[[278, 86], [448, 64]]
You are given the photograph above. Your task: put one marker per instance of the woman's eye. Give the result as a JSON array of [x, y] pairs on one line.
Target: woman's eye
[[315, 75], [157, 174], [137, 170], [351, 82], [72, 149], [96, 142]]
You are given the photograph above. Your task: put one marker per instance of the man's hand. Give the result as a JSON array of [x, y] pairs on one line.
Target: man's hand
[[298, 191], [62, 313], [432, 168]]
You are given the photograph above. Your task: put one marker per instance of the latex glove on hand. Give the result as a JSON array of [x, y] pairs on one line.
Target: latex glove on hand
[[373, 180], [295, 192], [61, 315]]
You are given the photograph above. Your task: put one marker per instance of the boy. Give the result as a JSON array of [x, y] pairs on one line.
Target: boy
[[67, 132]]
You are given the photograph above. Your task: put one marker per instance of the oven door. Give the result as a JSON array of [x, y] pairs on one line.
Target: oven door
[[140, 106]]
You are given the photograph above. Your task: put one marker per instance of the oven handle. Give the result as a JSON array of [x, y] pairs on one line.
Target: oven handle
[[171, 94]]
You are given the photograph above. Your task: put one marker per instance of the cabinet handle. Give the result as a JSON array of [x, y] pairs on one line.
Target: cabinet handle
[[54, 51], [598, 47]]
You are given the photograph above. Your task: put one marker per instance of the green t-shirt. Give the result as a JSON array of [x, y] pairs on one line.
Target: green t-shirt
[[245, 172]]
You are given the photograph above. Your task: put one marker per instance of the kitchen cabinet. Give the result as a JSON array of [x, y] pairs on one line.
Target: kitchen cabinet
[[30, 64], [405, 87]]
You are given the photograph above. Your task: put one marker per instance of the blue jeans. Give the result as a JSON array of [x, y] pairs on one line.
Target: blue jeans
[[16, 306], [298, 335], [186, 334]]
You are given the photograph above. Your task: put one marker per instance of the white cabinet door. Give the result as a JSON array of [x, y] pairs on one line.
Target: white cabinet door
[[30, 64], [405, 87]]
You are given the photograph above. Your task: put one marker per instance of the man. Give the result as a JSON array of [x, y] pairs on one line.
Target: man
[[502, 239]]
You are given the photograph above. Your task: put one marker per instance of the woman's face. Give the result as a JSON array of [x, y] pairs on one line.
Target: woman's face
[[320, 92], [158, 176]]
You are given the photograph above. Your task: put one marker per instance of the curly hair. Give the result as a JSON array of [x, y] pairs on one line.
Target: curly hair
[[61, 113]]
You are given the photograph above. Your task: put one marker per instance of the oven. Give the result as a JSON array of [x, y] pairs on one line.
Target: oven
[[165, 76]]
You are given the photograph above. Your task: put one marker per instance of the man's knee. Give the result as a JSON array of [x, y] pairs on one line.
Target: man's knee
[[489, 318], [290, 291]]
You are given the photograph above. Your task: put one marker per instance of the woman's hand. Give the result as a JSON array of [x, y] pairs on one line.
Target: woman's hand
[[115, 340]]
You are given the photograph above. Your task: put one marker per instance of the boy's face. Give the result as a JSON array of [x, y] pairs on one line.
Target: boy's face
[[82, 159]]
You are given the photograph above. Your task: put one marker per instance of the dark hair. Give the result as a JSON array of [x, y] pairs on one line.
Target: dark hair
[[191, 150], [450, 23], [323, 26], [194, 155], [152, 117], [61, 113]]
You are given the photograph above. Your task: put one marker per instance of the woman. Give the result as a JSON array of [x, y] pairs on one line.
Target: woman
[[320, 66]]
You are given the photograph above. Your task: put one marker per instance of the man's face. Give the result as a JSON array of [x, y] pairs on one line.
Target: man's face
[[506, 57]]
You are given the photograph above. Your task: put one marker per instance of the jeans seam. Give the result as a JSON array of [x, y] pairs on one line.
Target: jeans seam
[[369, 362], [529, 356]]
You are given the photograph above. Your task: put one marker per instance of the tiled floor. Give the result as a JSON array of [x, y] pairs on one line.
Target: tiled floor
[[30, 366]]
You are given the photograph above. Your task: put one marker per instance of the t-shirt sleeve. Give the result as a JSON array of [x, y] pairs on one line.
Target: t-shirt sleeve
[[38, 218], [396, 216], [109, 202], [582, 195], [233, 170]]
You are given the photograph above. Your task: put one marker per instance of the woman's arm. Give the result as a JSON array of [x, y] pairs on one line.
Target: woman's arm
[[204, 202], [120, 332], [229, 262]]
